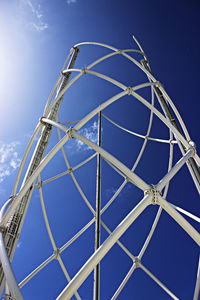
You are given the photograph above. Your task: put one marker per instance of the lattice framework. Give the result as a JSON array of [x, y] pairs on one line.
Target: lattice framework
[[153, 194]]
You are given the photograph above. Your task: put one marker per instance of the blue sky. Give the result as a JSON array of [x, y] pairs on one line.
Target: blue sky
[[35, 38]]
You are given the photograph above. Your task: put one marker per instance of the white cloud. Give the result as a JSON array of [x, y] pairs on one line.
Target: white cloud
[[40, 27], [71, 1], [37, 24], [9, 159], [14, 163], [19, 244], [90, 133]]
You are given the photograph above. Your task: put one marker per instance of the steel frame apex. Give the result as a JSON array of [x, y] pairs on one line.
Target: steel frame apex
[[155, 194], [56, 253], [137, 261]]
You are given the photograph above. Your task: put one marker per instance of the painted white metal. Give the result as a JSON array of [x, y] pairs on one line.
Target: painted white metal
[[6, 265], [187, 213], [132, 176], [8, 272], [161, 184], [158, 281], [31, 180], [136, 180], [77, 235], [148, 239], [137, 134], [179, 219], [119, 243], [53, 256], [124, 282], [17, 211], [104, 248], [176, 136], [68, 171], [37, 270]]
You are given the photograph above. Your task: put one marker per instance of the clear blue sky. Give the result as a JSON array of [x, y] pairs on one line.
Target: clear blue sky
[[35, 37]]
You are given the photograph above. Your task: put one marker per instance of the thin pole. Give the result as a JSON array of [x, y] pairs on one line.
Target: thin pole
[[96, 294]]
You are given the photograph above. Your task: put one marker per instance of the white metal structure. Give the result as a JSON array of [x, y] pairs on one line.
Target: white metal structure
[[14, 211]]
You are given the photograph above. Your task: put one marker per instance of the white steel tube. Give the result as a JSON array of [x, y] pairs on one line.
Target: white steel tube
[[135, 133], [161, 184], [104, 248], [148, 239], [163, 119], [38, 269], [136, 180], [39, 125], [158, 281], [5, 262], [116, 169], [179, 219], [120, 288], [57, 83], [165, 94], [176, 133], [171, 153], [67, 275], [99, 108], [114, 196], [77, 235], [55, 177], [124, 54], [112, 54], [82, 194], [32, 179], [68, 171], [46, 218], [187, 213], [8, 272], [119, 243]]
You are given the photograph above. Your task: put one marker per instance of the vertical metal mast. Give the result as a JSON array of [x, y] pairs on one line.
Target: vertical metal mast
[[96, 295], [14, 226]]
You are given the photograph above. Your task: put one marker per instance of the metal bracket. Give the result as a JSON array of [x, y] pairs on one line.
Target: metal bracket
[[83, 71], [70, 170], [192, 147], [129, 90], [137, 261], [56, 253], [69, 132], [41, 121], [39, 185], [155, 193]]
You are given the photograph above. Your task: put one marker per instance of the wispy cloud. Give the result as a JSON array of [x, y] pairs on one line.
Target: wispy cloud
[[71, 1], [19, 245], [38, 23], [9, 159], [125, 193], [90, 133]]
